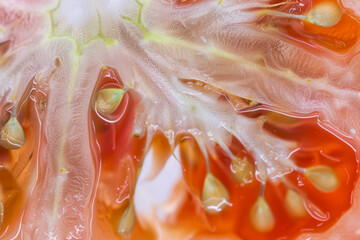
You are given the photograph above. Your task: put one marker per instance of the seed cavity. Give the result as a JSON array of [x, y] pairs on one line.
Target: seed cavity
[[261, 216], [326, 14], [1, 214], [215, 196], [294, 204], [12, 134], [323, 177], [127, 222], [243, 170], [108, 100]]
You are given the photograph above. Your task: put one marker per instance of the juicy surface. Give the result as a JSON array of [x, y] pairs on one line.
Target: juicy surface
[[171, 55]]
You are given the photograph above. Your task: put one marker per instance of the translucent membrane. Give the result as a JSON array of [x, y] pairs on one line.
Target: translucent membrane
[[18, 164], [118, 167]]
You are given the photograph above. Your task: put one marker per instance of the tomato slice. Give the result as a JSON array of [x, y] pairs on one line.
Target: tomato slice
[[179, 119]]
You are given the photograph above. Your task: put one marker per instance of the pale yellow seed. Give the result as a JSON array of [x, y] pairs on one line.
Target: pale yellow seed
[[108, 100], [243, 171], [261, 216], [215, 196], [294, 204], [323, 177], [12, 135], [326, 14], [127, 222]]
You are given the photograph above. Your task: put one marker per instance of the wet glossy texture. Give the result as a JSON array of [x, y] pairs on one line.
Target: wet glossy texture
[[306, 208], [339, 37], [179, 119], [18, 167]]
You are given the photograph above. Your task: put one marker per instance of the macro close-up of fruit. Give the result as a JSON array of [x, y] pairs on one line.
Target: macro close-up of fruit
[[179, 119]]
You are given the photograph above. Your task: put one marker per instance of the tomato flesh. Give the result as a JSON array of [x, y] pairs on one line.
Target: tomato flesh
[[196, 87], [315, 145]]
